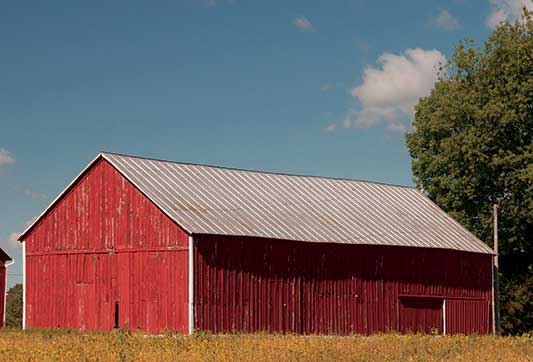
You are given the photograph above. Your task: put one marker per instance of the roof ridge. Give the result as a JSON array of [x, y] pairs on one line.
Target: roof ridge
[[258, 171]]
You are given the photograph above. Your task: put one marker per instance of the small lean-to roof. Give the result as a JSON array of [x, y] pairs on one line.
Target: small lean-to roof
[[222, 201], [3, 256]]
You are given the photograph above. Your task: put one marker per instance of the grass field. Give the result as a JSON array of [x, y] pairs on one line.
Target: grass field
[[119, 346]]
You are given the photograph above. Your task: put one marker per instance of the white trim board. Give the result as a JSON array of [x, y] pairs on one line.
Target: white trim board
[[191, 284]]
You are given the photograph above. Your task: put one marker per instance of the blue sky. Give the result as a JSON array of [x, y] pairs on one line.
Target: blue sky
[[310, 87]]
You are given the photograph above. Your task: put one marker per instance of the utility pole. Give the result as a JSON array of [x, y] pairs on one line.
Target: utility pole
[[496, 269]]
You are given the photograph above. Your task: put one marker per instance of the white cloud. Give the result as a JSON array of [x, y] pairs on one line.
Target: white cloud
[[502, 10], [446, 20], [5, 157], [11, 240], [391, 91], [302, 23]]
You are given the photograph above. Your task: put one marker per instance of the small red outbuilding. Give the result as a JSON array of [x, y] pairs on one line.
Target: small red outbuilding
[[157, 245], [4, 259]]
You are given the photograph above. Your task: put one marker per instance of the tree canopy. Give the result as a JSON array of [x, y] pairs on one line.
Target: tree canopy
[[472, 147]]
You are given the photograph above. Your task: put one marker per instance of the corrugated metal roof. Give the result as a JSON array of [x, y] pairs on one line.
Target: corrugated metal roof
[[215, 200]]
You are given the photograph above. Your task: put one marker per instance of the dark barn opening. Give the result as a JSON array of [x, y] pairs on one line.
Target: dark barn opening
[[116, 316]]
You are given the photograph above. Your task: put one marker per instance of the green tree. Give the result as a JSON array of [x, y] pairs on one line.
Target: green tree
[[14, 306], [472, 146]]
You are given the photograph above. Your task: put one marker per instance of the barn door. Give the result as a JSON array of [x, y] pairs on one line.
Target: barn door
[[464, 316], [420, 315]]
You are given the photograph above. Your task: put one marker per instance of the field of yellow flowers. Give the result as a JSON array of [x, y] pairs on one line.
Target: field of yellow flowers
[[16, 345]]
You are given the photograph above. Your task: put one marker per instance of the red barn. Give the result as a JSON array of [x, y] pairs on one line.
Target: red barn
[[157, 245], [4, 263]]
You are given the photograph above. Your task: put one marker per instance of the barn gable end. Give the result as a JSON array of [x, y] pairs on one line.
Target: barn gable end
[[102, 252]]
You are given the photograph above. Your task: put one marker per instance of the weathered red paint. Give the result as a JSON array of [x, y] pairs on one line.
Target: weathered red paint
[[105, 243], [251, 284]]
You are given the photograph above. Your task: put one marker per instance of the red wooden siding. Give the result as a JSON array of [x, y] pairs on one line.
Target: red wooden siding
[[251, 284], [3, 271], [421, 315], [464, 316], [103, 243]]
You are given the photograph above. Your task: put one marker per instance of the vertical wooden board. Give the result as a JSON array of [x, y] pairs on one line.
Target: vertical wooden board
[[80, 306], [91, 305], [199, 279], [124, 275], [219, 292], [173, 307], [163, 293]]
